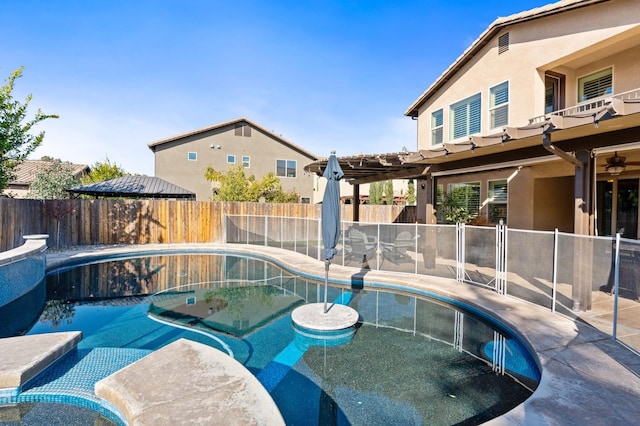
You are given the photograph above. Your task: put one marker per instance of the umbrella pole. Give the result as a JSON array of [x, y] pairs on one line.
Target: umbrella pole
[[326, 282]]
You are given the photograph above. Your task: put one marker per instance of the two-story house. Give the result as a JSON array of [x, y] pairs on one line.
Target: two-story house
[[183, 159], [539, 121]]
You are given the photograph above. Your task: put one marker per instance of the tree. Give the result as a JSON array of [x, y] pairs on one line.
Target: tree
[[16, 140], [234, 185], [411, 193], [388, 192], [103, 170], [375, 193], [51, 182]]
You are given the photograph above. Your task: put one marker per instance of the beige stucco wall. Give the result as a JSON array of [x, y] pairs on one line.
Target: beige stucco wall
[[540, 197], [212, 149], [574, 43]]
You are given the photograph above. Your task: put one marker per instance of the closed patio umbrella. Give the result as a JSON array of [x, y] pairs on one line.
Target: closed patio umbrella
[[331, 215]]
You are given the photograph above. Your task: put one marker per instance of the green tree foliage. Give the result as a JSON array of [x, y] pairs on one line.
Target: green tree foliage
[[16, 139], [375, 193], [388, 192], [103, 170], [234, 185], [51, 182], [411, 193]]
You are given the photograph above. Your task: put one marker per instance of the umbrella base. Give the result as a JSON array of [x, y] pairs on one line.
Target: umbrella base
[[313, 317]]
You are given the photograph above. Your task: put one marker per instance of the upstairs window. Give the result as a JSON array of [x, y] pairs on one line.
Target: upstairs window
[[436, 127], [192, 156], [286, 168], [595, 85], [499, 105], [465, 117], [246, 161], [242, 130]]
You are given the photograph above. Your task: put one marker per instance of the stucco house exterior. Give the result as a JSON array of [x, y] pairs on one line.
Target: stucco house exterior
[[183, 159], [540, 120]]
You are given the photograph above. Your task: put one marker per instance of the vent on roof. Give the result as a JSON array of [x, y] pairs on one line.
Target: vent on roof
[[503, 43], [242, 130]]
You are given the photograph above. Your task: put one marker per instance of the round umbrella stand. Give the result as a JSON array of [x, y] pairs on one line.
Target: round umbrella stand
[[312, 318]]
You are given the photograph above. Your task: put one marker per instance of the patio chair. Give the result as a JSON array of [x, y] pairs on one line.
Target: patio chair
[[396, 252], [358, 247]]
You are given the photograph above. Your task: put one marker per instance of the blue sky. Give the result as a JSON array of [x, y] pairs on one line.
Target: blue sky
[[326, 75]]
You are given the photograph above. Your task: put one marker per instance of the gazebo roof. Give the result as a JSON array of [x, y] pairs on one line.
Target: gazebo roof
[[133, 187]]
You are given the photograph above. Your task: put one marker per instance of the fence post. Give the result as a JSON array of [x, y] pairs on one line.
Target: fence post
[[266, 231], [501, 258], [460, 260], [224, 228], [556, 236], [616, 278]]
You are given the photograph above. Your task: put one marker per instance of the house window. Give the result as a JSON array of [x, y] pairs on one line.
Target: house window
[[192, 156], [595, 85], [497, 201], [242, 130], [465, 117], [436, 127], [231, 159], [466, 196], [286, 168], [503, 43], [499, 105], [246, 161], [305, 200]]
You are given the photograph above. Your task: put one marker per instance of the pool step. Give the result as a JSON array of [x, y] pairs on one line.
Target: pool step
[[24, 357]]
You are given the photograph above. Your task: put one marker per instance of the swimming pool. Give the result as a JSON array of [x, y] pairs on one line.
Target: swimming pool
[[412, 360]]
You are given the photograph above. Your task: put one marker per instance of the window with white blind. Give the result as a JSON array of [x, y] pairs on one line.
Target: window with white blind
[[286, 168], [499, 105], [465, 117], [437, 127], [595, 85], [497, 201]]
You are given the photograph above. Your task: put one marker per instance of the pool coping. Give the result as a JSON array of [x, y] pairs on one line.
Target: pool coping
[[586, 375]]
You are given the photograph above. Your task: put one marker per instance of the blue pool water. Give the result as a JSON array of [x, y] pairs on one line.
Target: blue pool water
[[412, 360]]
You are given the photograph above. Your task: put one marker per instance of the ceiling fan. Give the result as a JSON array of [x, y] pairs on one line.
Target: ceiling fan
[[617, 163]]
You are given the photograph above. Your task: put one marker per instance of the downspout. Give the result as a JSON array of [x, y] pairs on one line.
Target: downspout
[[546, 143]]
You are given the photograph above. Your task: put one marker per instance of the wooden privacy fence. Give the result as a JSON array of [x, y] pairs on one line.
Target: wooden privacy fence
[[106, 222]]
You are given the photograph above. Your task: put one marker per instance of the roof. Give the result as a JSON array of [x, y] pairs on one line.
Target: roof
[[27, 170], [273, 135], [133, 186], [484, 39]]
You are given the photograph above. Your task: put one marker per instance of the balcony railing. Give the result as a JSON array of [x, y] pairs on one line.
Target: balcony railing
[[592, 106]]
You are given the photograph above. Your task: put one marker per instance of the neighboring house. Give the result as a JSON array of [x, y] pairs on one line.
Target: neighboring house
[[27, 171], [183, 159], [539, 121]]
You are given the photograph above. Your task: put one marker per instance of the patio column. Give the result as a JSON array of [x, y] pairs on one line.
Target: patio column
[[356, 203], [583, 248]]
